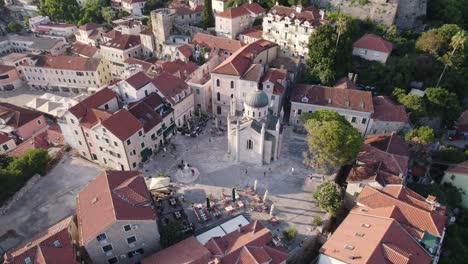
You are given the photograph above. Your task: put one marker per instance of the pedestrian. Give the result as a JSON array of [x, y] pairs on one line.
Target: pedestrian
[[264, 174], [292, 171], [245, 171]]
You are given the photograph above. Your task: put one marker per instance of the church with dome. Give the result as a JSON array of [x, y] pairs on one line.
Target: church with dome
[[254, 134]]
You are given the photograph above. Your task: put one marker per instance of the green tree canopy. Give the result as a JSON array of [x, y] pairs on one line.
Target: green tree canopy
[[108, 14], [151, 5], [322, 53], [324, 115], [92, 12], [430, 41], [422, 134], [444, 103], [412, 102], [15, 27], [207, 15], [332, 141], [60, 10], [328, 197]]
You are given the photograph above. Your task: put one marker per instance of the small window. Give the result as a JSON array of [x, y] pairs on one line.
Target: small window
[[232, 84], [140, 133], [113, 260], [97, 137], [142, 144], [249, 144], [218, 96], [86, 134], [27, 260], [90, 144], [57, 244], [359, 234], [128, 142], [217, 83], [364, 120], [127, 228], [349, 247], [101, 237], [353, 119], [104, 130], [366, 225], [5, 147], [107, 140], [79, 142], [39, 122], [299, 111], [134, 165], [72, 121], [131, 239], [116, 144]]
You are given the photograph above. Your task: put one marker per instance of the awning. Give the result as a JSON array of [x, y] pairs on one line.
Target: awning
[[146, 153], [169, 130]]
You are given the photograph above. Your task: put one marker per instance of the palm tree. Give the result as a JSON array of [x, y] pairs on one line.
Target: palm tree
[[340, 28], [458, 42]]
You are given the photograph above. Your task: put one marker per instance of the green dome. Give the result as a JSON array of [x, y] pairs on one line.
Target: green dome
[[257, 99]]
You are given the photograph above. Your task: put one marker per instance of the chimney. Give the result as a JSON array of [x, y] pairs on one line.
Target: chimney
[[239, 228], [355, 78], [125, 106], [350, 76], [250, 1], [322, 14], [282, 66], [298, 8]]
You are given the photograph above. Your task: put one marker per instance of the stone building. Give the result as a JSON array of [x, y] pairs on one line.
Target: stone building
[[254, 135], [403, 14], [162, 20]]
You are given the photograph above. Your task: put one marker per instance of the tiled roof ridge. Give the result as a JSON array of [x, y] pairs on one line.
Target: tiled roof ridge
[[402, 203], [394, 248], [386, 152]]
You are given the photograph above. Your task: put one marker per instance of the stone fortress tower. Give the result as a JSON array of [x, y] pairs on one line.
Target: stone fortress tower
[[254, 135], [162, 21]]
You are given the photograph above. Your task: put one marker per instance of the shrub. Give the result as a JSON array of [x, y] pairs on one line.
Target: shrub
[[317, 221], [290, 233]]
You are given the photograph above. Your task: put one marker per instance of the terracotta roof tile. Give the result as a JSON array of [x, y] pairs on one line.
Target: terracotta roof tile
[[66, 62], [6, 68], [138, 80], [234, 12], [188, 251], [169, 85], [276, 76], [90, 26], [310, 14], [415, 214], [41, 248], [345, 83], [253, 33], [388, 142], [16, 116], [459, 168], [111, 196], [123, 42], [95, 100], [185, 50], [84, 49], [179, 68], [386, 110], [4, 138], [114, 124], [216, 42], [328, 96], [383, 241], [373, 42], [254, 8], [146, 115], [93, 117]]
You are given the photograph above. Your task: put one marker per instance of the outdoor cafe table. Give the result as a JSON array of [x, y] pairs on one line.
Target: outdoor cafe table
[[240, 203], [229, 208]]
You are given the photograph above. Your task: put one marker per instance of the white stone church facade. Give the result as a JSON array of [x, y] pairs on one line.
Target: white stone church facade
[[254, 135]]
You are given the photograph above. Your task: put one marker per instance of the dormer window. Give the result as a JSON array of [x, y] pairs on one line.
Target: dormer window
[[305, 99], [349, 247]]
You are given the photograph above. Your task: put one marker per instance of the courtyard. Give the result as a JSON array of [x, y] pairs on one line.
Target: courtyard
[[49, 201], [287, 180]]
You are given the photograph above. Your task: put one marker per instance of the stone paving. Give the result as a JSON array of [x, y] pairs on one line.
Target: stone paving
[[291, 193], [47, 202]]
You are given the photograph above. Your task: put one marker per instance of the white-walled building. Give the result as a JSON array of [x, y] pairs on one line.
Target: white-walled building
[[66, 73], [90, 34], [254, 135], [290, 27], [134, 88], [372, 47], [118, 49], [32, 45], [355, 105], [240, 74], [235, 20]]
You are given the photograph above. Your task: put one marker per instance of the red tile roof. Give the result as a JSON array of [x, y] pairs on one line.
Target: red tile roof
[[254, 8], [253, 73], [373, 42], [328, 96], [188, 251], [84, 49], [275, 76], [415, 211], [4, 138], [345, 83], [310, 14], [15, 116], [43, 248], [95, 100], [138, 80], [93, 117], [49, 138], [111, 196], [169, 85], [185, 50], [253, 33], [147, 66], [251, 239], [459, 168], [114, 124], [386, 110], [387, 152], [66, 62], [372, 173], [383, 241], [113, 34], [123, 42], [182, 9], [179, 68], [216, 42], [6, 68], [234, 12], [146, 115], [90, 26], [240, 60]]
